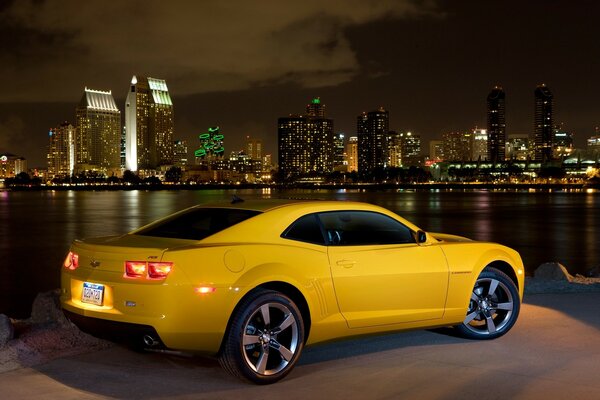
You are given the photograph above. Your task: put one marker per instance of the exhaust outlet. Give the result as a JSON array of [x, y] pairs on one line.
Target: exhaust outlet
[[149, 341]]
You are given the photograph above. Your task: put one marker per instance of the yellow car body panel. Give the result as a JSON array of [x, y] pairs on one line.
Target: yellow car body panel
[[348, 290]]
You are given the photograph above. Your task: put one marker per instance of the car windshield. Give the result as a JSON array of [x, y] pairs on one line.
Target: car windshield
[[198, 223]]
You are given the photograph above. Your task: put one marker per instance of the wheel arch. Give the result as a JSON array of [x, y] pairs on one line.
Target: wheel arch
[[507, 269], [282, 287]]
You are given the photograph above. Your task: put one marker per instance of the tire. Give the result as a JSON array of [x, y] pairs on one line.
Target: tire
[[265, 338], [493, 308]]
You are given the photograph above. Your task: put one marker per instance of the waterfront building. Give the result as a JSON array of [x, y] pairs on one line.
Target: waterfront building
[[520, 147], [457, 146], [305, 143], [496, 121], [480, 144], [410, 149], [352, 154], [339, 152], [372, 132], [254, 148], [98, 132], [436, 150], [543, 123], [149, 124], [394, 148], [562, 143], [11, 165], [593, 144], [180, 153], [61, 150]]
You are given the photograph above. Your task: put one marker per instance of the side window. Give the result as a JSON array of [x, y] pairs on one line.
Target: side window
[[305, 229], [355, 228]]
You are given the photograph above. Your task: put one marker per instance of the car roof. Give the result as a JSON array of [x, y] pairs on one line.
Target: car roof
[[261, 204]]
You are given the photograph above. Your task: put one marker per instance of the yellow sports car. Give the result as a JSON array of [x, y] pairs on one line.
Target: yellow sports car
[[253, 282]]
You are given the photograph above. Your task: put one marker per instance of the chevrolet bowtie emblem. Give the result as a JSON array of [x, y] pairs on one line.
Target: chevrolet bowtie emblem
[[95, 263]]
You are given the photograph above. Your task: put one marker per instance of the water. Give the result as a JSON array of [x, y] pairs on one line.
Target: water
[[36, 228]]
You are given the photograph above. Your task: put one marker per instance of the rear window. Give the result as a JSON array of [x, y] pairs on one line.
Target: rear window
[[198, 224]]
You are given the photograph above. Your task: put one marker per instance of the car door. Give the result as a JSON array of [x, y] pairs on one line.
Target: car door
[[380, 274]]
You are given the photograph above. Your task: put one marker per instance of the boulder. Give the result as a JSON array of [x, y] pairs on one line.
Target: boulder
[[7, 331], [46, 309], [552, 271]]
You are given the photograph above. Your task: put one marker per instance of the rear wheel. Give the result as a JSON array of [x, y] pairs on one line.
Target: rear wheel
[[493, 308], [265, 338]]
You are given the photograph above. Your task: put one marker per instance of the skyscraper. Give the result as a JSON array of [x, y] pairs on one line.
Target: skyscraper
[[305, 143], [180, 153], [410, 149], [480, 147], [352, 154], [149, 124], [457, 146], [496, 121], [61, 150], [372, 130], [543, 123], [98, 134], [254, 148]]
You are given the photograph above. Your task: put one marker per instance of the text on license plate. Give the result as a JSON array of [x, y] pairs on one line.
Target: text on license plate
[[93, 293]]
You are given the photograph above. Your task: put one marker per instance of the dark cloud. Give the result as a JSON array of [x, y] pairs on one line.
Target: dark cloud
[[199, 46]]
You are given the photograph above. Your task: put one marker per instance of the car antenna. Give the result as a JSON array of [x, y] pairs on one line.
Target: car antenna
[[235, 199]]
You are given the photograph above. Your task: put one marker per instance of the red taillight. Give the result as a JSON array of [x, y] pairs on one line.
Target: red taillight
[[135, 269], [72, 261], [150, 270], [159, 270]]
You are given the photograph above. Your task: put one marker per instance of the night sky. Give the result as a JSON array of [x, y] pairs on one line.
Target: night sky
[[242, 64]]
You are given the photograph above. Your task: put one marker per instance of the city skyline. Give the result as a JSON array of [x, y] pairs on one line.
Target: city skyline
[[429, 64]]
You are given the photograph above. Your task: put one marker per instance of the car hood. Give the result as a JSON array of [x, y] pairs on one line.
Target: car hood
[[445, 237]]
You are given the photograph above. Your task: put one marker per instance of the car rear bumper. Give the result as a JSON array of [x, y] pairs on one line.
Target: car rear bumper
[[134, 335]]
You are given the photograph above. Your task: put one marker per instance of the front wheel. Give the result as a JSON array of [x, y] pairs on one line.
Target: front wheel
[[493, 308], [265, 338]]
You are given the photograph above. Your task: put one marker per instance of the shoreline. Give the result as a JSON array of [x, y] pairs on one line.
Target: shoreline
[[313, 186]]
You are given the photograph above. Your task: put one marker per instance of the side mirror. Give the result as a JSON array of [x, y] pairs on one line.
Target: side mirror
[[421, 236]]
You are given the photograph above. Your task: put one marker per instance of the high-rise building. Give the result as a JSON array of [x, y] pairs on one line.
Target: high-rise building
[[61, 150], [11, 165], [339, 152], [180, 153], [305, 143], [149, 124], [98, 133], [519, 147], [410, 144], [480, 144], [562, 143], [543, 123], [593, 144], [372, 130], [496, 129], [457, 146], [315, 108], [394, 149], [352, 153], [254, 148], [436, 150]]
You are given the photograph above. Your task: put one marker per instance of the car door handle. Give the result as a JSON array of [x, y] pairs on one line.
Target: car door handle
[[346, 263]]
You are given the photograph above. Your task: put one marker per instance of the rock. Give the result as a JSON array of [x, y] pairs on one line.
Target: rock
[[46, 309], [552, 271], [7, 332]]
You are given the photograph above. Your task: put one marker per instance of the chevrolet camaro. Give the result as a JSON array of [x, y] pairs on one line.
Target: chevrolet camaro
[[253, 282]]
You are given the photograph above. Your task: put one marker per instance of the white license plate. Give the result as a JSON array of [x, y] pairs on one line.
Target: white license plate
[[93, 293]]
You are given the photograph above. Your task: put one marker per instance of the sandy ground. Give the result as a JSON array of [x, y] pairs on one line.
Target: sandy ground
[[551, 353]]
